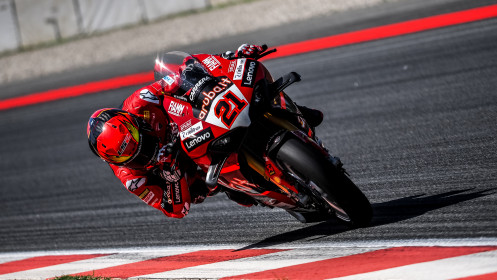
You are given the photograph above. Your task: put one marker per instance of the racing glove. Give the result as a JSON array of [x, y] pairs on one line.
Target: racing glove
[[198, 191], [249, 51]]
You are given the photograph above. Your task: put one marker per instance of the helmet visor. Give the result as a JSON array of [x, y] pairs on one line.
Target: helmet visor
[[146, 154]]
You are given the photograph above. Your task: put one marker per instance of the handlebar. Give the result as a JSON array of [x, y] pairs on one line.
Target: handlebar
[[265, 52]]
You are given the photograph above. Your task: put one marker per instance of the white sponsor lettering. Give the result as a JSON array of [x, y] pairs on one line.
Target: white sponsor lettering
[[196, 88], [222, 85], [191, 131], [232, 66], [211, 62], [149, 197], [197, 140], [240, 65], [178, 199], [176, 109], [186, 125], [124, 144], [202, 138], [250, 73]]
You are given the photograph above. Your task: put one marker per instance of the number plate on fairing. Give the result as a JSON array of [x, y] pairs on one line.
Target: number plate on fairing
[[223, 105]]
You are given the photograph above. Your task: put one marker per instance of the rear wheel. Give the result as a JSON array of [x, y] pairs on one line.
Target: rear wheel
[[335, 189]]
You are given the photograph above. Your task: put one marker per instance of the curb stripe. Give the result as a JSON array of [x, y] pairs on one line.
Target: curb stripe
[[361, 36], [176, 262], [364, 263], [442, 269], [39, 262], [480, 277]]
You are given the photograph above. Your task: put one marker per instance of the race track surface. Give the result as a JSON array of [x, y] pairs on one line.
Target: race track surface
[[414, 119]]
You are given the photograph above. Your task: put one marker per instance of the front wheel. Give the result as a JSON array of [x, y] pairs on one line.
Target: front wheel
[[334, 188]]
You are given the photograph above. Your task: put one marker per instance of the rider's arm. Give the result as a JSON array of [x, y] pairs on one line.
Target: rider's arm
[[170, 196]]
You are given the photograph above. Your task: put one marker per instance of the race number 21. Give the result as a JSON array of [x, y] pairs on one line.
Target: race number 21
[[228, 108]]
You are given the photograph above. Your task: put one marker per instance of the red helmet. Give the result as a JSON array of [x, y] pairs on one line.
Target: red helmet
[[122, 139]]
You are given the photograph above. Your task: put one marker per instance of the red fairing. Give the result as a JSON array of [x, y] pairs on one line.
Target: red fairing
[[213, 107], [173, 199], [222, 107]]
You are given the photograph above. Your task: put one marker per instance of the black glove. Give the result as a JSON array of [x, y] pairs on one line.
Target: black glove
[[198, 191]]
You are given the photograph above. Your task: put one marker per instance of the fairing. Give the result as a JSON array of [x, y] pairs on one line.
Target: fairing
[[211, 107], [210, 95]]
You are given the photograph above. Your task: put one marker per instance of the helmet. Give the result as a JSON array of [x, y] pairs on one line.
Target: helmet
[[122, 139]]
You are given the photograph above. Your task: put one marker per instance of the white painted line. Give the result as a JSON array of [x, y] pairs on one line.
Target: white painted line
[[339, 244]]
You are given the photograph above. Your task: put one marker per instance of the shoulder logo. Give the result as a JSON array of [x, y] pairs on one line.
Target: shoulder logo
[[146, 95], [134, 184]]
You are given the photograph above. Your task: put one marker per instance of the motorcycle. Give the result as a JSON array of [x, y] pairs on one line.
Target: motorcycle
[[237, 124]]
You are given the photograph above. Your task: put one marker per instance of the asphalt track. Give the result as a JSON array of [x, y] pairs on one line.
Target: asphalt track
[[413, 118]]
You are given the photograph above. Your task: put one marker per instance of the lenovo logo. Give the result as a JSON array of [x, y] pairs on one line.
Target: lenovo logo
[[202, 137], [249, 75]]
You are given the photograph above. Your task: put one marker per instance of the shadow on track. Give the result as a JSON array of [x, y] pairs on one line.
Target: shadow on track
[[384, 213], [412, 206]]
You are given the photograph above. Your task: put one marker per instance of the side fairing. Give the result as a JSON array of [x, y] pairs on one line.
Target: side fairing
[[230, 109], [218, 107]]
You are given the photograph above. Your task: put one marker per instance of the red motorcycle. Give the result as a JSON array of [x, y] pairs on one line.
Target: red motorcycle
[[236, 123]]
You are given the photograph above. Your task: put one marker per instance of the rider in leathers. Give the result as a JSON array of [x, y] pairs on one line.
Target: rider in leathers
[[160, 176]]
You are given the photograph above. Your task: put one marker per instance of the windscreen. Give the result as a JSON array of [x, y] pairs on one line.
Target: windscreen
[[180, 72]]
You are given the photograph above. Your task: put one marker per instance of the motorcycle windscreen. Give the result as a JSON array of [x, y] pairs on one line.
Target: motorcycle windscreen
[[180, 72]]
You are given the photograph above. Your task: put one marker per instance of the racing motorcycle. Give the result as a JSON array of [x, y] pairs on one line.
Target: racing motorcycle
[[237, 124]]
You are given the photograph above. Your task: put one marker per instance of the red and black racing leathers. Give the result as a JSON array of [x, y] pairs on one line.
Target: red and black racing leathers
[[166, 184]]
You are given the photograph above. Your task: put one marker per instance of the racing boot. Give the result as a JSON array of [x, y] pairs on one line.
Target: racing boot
[[198, 191], [312, 116]]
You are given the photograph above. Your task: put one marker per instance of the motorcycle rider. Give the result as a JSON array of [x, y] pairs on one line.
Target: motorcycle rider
[[140, 144]]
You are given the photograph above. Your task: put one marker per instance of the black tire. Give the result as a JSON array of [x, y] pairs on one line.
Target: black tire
[[310, 164]]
